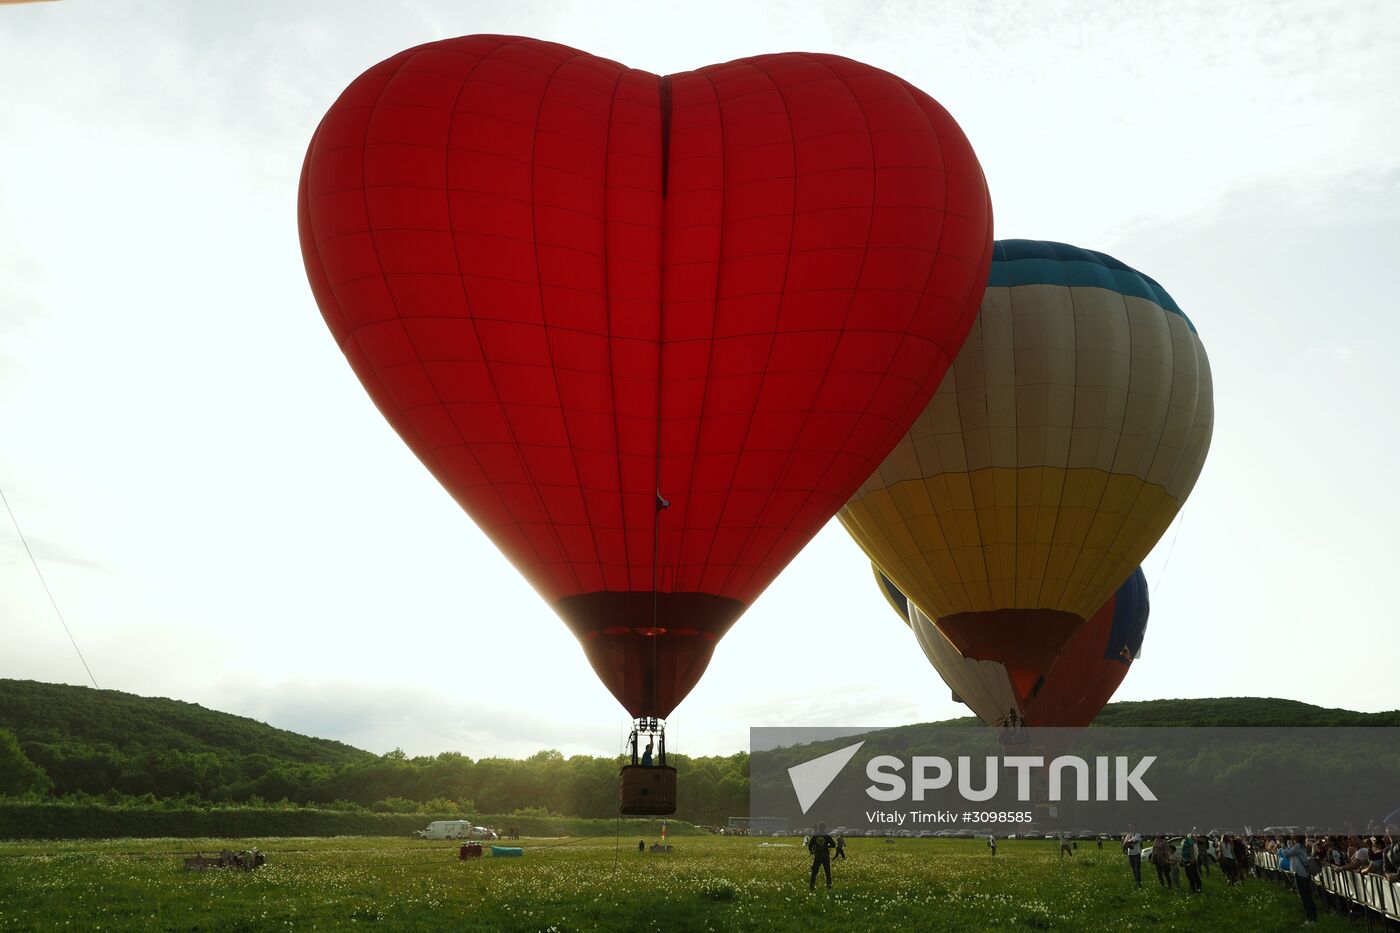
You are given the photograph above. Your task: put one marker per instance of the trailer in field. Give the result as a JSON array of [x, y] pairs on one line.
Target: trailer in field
[[454, 829]]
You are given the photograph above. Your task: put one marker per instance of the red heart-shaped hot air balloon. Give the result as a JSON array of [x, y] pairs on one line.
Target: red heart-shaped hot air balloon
[[650, 332]]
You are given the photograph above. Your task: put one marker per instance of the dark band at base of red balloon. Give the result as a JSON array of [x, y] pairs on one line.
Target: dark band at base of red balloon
[[649, 649], [1026, 641]]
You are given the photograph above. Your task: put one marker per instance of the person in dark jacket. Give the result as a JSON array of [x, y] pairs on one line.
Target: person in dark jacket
[[1244, 860], [820, 845]]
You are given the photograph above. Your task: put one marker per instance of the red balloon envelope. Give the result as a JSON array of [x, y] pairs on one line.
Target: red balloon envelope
[[1094, 662], [650, 332]]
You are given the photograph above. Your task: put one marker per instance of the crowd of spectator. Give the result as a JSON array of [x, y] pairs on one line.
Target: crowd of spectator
[[1300, 858]]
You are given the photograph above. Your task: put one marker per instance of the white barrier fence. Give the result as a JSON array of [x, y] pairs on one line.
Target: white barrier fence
[[1345, 892]]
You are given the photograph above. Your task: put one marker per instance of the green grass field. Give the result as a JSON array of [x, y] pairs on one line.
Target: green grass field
[[706, 883]]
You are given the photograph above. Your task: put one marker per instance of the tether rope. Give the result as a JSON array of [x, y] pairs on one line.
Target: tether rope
[[45, 583]]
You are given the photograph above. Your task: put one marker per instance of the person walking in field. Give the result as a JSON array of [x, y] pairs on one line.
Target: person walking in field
[[992, 843], [1132, 848], [840, 847], [1065, 846], [820, 846]]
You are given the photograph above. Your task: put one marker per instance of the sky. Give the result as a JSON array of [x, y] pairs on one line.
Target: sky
[[225, 518]]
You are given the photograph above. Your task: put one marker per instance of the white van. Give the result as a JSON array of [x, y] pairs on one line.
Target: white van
[[446, 829]]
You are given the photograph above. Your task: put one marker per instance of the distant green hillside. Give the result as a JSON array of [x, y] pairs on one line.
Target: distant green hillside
[[59, 743], [1237, 711], [1219, 711], [1213, 712], [96, 741], [54, 713]]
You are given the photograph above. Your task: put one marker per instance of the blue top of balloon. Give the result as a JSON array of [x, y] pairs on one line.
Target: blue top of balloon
[[1045, 262]]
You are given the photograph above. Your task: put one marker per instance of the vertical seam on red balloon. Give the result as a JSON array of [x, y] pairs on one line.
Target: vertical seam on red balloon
[[664, 102], [451, 122], [543, 568], [354, 334], [398, 316], [787, 267], [318, 243], [689, 488], [971, 310], [544, 326], [612, 372], [314, 255], [826, 368], [578, 476]]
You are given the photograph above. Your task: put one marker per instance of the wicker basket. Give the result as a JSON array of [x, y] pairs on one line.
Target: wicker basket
[[644, 791]]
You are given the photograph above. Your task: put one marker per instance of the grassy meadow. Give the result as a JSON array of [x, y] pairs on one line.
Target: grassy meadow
[[706, 883]]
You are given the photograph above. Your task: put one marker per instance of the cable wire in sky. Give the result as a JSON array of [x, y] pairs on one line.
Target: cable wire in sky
[[1180, 520], [53, 602]]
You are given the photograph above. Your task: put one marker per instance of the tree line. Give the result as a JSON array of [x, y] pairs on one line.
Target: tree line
[[712, 788]]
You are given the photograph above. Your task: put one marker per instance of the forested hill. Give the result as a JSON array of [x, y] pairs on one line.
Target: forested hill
[[54, 713], [71, 743], [99, 740], [58, 714], [1211, 712], [1218, 711], [1237, 711]]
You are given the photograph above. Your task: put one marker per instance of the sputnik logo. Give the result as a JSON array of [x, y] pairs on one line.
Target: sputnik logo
[[811, 778]]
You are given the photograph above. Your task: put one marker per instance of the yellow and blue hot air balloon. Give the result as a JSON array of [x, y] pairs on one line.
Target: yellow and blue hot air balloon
[[1074, 691], [1068, 432]]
